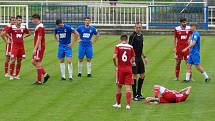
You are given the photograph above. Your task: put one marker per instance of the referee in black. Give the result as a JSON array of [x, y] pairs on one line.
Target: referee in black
[[137, 41]]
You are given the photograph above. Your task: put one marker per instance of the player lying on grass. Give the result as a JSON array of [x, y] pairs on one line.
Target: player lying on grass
[[8, 46], [123, 59], [194, 56], [164, 95]]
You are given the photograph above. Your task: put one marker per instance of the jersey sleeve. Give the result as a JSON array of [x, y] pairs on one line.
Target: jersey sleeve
[[26, 31], [41, 31], [116, 50], [8, 29], [95, 31], [55, 31], [78, 29], [130, 39], [71, 29]]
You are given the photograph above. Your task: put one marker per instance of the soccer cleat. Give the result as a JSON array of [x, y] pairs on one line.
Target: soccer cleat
[[117, 105], [11, 78], [136, 99], [128, 107], [141, 97], [37, 83], [207, 80], [79, 74], [63, 79], [176, 79], [186, 81], [70, 79], [89, 75], [7, 75], [17, 77], [46, 78]]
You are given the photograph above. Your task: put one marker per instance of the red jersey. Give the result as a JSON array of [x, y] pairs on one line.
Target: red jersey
[[40, 31], [124, 52], [182, 35], [17, 34], [172, 96]]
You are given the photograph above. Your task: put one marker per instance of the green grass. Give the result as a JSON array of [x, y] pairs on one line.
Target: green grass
[[91, 99]]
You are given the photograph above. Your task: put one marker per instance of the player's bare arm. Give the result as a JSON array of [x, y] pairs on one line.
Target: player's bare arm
[[144, 57], [74, 40], [3, 33], [37, 44], [96, 38], [28, 34], [191, 45], [9, 38], [56, 37], [174, 42], [115, 59]]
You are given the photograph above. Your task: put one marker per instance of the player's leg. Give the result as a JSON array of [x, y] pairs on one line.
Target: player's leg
[[177, 69], [81, 53], [13, 56], [186, 56], [118, 95], [203, 72], [141, 71], [18, 67], [89, 55], [69, 61], [134, 86], [61, 56], [128, 96], [62, 69], [188, 73], [6, 65]]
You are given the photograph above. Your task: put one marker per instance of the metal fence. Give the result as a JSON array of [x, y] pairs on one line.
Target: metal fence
[[124, 13]]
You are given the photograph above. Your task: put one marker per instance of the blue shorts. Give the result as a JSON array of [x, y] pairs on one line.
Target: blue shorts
[[85, 50], [194, 59], [64, 51]]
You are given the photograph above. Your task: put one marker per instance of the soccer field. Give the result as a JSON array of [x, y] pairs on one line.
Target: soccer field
[[91, 99]]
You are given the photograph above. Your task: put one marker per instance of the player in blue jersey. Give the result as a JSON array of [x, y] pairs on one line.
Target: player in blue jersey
[[194, 56], [63, 34], [86, 33]]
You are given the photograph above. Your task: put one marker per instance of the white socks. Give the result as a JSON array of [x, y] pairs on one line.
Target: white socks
[[79, 67], [188, 76], [62, 70], [205, 75], [89, 64], [70, 70]]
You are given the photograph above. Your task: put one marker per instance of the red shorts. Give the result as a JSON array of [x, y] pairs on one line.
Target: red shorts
[[8, 49], [171, 97], [124, 77], [17, 52], [182, 56], [39, 55]]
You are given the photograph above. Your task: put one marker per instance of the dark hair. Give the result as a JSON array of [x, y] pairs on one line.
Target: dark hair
[[12, 17], [36, 16], [86, 17], [138, 22], [124, 37], [183, 20], [18, 17], [58, 21]]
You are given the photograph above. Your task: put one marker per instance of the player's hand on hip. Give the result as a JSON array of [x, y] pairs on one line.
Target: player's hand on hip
[[174, 50], [69, 45], [184, 50], [34, 52]]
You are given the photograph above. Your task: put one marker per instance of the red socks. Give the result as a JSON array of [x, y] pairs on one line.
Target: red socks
[[43, 71], [118, 98], [156, 91], [6, 67], [177, 71], [18, 66], [128, 98], [39, 75], [12, 69]]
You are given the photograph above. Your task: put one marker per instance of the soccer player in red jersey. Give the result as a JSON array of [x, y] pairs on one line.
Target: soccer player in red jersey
[[39, 49], [17, 32], [182, 34], [123, 59], [164, 95], [8, 45]]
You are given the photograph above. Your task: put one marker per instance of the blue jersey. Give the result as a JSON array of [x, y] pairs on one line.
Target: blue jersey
[[86, 34], [196, 48], [64, 34]]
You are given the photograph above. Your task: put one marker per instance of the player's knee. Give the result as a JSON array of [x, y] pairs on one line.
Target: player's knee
[[178, 62], [89, 60], [80, 60], [142, 76]]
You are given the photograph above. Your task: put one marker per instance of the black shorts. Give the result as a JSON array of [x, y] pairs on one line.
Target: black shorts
[[140, 67]]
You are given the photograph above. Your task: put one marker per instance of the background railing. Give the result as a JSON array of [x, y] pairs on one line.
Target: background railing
[[123, 13]]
